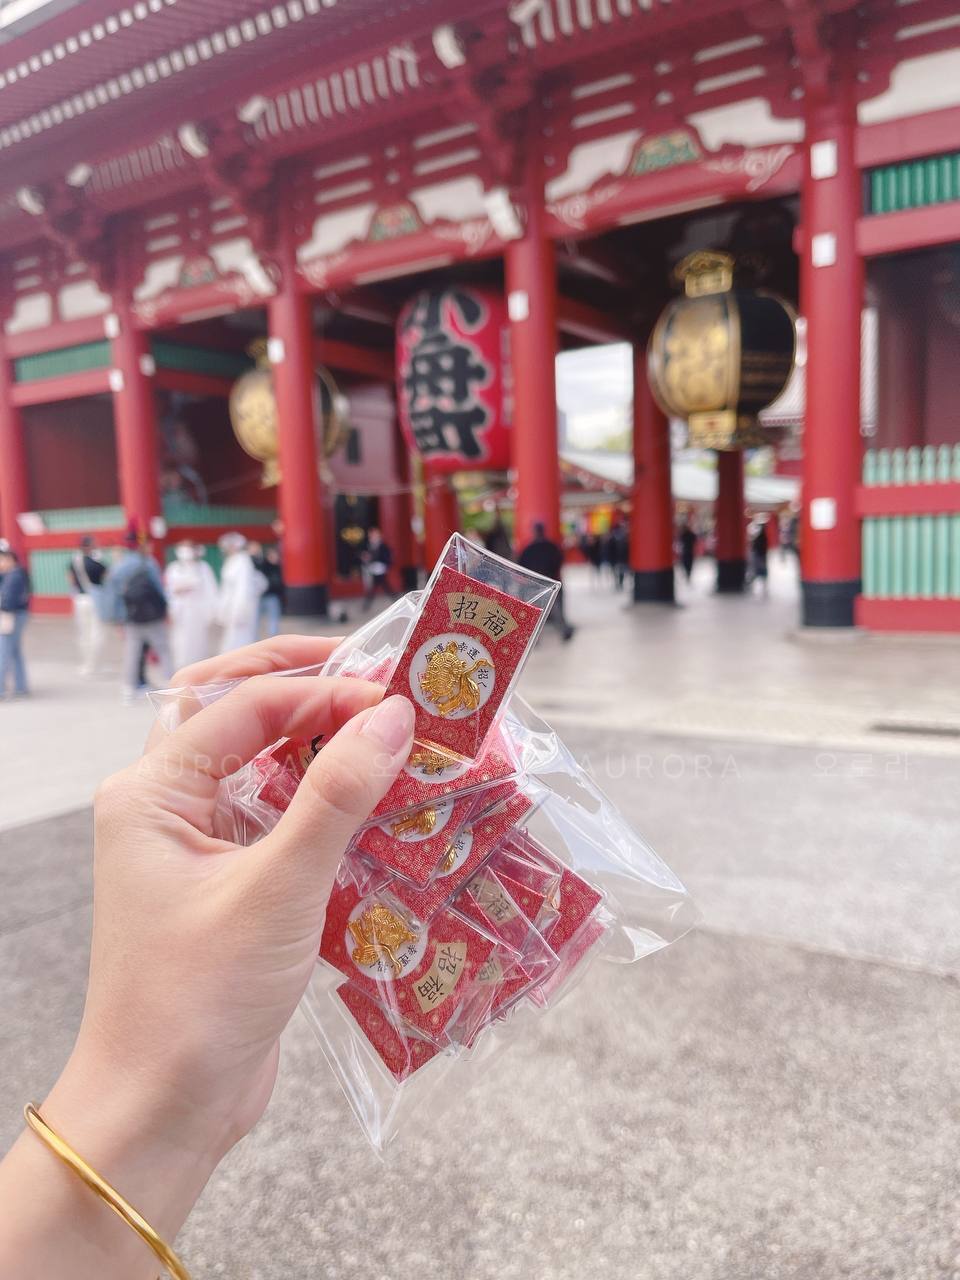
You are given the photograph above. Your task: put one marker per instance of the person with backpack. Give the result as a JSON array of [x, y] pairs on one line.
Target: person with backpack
[[138, 604], [14, 610]]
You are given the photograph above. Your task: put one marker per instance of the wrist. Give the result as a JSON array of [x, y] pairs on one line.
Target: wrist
[[137, 1135]]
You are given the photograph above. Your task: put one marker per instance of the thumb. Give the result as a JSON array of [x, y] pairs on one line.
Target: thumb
[[345, 783]]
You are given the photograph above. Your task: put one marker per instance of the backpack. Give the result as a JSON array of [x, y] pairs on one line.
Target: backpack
[[142, 598]]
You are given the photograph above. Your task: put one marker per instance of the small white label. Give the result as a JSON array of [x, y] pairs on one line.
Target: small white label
[[158, 527], [823, 513], [148, 366], [823, 159], [518, 305], [823, 249], [275, 350], [115, 379], [111, 325]]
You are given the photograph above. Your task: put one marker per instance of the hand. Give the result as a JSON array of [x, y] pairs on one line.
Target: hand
[[201, 948]]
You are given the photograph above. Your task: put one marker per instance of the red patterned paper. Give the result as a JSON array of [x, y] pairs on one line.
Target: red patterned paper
[[424, 780], [468, 643], [415, 848], [518, 860], [578, 901], [474, 844], [437, 968], [571, 955], [400, 1053]]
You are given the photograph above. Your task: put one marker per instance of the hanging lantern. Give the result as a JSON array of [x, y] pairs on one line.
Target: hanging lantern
[[719, 355], [453, 379], [253, 413]]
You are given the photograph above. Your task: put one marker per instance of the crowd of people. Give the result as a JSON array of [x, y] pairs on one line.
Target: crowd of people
[[183, 614], [167, 617]]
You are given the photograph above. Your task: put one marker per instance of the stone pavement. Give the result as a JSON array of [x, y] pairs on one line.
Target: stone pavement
[[774, 1096]]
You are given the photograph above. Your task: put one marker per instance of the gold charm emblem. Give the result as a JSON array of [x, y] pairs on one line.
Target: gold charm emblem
[[422, 822], [447, 681], [378, 930], [449, 858], [430, 761]]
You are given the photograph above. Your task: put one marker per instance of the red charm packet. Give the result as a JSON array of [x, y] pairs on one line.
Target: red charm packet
[[460, 661], [499, 814], [415, 843], [521, 961], [401, 1053], [421, 972], [429, 775]]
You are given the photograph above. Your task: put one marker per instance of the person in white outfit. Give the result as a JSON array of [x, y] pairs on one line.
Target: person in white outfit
[[241, 587], [87, 572], [191, 588]]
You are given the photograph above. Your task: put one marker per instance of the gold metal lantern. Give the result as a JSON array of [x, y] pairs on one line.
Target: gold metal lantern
[[253, 413], [719, 355]]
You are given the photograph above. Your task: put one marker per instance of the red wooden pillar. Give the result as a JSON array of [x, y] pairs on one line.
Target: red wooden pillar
[[135, 421], [396, 520], [14, 478], [831, 294], [441, 516], [306, 551], [651, 521], [531, 281], [730, 521]]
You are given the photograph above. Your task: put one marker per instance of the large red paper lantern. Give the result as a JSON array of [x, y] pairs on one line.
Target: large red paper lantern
[[453, 379]]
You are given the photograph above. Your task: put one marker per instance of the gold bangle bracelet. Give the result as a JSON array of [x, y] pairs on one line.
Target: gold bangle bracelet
[[104, 1190]]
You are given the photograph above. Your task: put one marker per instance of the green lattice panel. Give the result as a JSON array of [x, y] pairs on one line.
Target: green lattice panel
[[55, 364], [178, 512], [48, 572], [914, 556], [221, 364], [84, 519], [913, 184]]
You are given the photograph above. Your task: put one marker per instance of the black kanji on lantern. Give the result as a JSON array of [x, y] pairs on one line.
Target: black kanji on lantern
[[443, 371]]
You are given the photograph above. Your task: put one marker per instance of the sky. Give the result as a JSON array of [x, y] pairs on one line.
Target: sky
[[595, 393]]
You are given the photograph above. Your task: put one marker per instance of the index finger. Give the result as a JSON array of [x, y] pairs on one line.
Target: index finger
[[280, 653], [227, 734]]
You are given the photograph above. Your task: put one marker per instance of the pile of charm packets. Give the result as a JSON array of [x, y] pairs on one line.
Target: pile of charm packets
[[493, 870]]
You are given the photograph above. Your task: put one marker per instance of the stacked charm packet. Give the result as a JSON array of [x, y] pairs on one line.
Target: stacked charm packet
[[491, 873]]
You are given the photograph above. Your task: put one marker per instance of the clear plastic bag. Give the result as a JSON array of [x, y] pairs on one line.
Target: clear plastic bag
[[527, 873]]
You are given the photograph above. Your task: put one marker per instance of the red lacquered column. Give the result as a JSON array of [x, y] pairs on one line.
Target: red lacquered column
[[532, 303], [441, 516], [135, 422], [306, 554], [651, 521], [14, 479], [831, 296], [731, 525]]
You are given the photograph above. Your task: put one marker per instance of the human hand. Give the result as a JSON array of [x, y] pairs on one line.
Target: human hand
[[201, 949]]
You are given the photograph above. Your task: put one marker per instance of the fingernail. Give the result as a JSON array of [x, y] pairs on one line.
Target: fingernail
[[391, 724]]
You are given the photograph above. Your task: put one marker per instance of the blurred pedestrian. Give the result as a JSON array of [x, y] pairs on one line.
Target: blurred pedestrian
[[592, 549], [86, 572], [136, 601], [543, 555], [377, 560], [759, 546], [191, 589], [497, 539], [688, 547], [14, 610], [618, 553], [267, 562], [241, 587]]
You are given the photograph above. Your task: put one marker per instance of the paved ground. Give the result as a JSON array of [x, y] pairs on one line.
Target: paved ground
[[773, 1097]]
